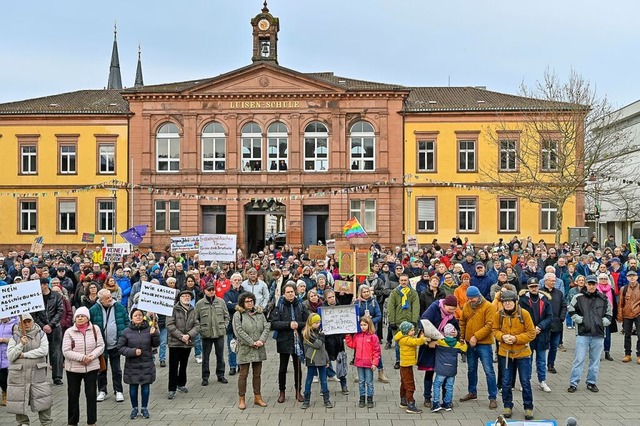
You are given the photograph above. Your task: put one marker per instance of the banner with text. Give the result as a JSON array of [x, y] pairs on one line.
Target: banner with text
[[157, 298], [88, 237], [113, 254], [126, 247], [21, 298], [180, 244], [220, 247], [339, 319]]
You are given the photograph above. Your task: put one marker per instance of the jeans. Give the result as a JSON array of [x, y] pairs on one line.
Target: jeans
[[541, 365], [553, 348], [627, 326], [569, 321], [145, 389], [397, 352], [448, 382], [162, 351], [523, 366], [111, 356], [365, 381], [207, 345], [592, 345], [428, 384], [484, 352], [312, 370], [232, 358], [607, 339], [197, 346], [332, 373], [74, 382]]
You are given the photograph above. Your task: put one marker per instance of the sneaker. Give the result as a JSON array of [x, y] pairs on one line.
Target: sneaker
[[427, 403], [396, 366], [403, 403], [627, 358], [163, 363], [119, 397], [334, 379], [183, 389], [171, 395], [507, 413], [387, 345], [199, 360], [58, 382], [315, 379], [528, 414], [552, 369], [345, 390], [232, 371], [101, 396], [370, 403], [447, 407], [145, 413], [543, 385], [435, 407], [569, 327], [592, 387], [463, 358], [412, 409], [134, 414], [572, 389]]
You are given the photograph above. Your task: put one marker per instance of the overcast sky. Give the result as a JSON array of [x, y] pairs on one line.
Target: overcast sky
[[50, 47]]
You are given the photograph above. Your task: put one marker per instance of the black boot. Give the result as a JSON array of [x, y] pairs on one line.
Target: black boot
[[306, 402], [370, 403], [327, 401], [361, 404], [608, 356]]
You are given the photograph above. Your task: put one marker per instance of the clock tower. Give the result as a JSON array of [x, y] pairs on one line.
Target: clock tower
[[265, 36]]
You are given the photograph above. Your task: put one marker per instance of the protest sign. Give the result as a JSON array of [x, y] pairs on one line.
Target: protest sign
[[220, 247], [345, 262], [413, 281], [412, 243], [341, 286], [363, 265], [112, 254], [339, 319], [21, 298], [317, 252], [331, 246], [36, 245], [88, 238], [157, 298], [180, 244], [126, 247], [430, 330]]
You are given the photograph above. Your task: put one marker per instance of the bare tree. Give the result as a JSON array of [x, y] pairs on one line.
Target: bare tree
[[549, 148]]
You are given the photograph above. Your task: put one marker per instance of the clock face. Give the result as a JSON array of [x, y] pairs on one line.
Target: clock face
[[263, 24]]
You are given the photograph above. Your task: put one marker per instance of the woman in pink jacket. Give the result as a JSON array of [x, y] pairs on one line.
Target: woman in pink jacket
[[82, 347], [367, 357]]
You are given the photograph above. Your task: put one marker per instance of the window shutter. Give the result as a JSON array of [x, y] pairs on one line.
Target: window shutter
[[67, 207], [427, 210]]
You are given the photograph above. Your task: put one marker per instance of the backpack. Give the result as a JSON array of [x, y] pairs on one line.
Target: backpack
[[519, 317]]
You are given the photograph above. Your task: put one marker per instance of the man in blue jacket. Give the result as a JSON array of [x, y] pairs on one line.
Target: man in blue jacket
[[482, 281]]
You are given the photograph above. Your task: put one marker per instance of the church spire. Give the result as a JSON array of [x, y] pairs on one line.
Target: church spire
[[115, 79], [139, 82]]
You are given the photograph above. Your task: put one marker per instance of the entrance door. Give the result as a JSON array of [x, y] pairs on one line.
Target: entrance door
[[315, 224], [258, 232], [214, 220]]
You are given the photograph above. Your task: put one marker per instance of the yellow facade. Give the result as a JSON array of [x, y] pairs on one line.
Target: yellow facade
[[57, 186], [453, 192]]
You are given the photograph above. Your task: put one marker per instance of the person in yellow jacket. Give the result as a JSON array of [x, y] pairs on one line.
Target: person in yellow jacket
[[96, 257], [514, 329], [408, 345]]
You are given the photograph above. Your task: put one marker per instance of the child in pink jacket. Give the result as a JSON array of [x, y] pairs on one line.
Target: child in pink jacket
[[367, 347]]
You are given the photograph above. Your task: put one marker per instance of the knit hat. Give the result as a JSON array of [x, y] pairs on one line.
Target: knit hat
[[507, 295], [314, 318], [449, 330], [81, 311], [406, 327], [465, 275], [451, 300], [473, 291]]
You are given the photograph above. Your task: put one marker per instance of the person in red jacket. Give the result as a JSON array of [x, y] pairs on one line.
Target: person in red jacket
[[367, 357]]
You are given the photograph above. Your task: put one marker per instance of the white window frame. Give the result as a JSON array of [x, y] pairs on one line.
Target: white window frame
[[507, 209], [548, 214], [169, 138], [549, 150], [424, 153], [366, 213], [426, 215], [508, 153], [250, 141], [67, 213], [28, 216], [169, 212], [71, 159], [466, 154], [106, 215], [467, 215], [277, 138], [319, 160], [32, 159], [103, 153], [214, 141], [362, 138]]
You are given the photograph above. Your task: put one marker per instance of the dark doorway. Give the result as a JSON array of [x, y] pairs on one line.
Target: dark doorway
[[214, 220], [264, 224], [315, 224]]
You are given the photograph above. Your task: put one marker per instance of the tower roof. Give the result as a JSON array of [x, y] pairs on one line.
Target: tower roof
[[139, 81], [115, 79]]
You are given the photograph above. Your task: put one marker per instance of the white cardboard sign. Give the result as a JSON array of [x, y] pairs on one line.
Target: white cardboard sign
[[220, 247], [180, 244], [157, 298], [339, 319], [16, 299]]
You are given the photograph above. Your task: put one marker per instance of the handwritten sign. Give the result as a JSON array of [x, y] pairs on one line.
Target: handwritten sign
[[345, 262], [36, 245], [157, 298], [331, 247], [430, 330], [363, 265], [112, 254], [21, 298], [126, 247], [412, 243], [88, 238], [413, 281], [317, 252], [220, 247], [341, 286], [339, 319], [180, 244]]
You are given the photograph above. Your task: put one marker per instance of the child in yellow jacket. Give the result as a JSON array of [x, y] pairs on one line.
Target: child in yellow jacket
[[408, 345]]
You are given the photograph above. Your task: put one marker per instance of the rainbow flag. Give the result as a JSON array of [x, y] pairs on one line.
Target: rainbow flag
[[353, 229]]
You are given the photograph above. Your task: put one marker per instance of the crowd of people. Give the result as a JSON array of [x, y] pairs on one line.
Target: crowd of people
[[505, 304]]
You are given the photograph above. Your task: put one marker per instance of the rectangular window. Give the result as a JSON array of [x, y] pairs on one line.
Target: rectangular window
[[549, 220], [213, 154], [508, 155], [277, 153], [106, 216], [170, 208], [28, 160], [362, 153], [549, 156], [426, 156], [316, 154], [106, 159], [251, 154], [28, 216], [508, 215], [365, 212], [467, 155], [467, 214], [426, 215], [66, 216], [168, 155], [67, 159]]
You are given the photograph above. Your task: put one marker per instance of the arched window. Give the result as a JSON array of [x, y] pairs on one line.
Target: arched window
[[363, 146], [277, 147], [316, 147], [214, 148], [251, 148], [168, 148]]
